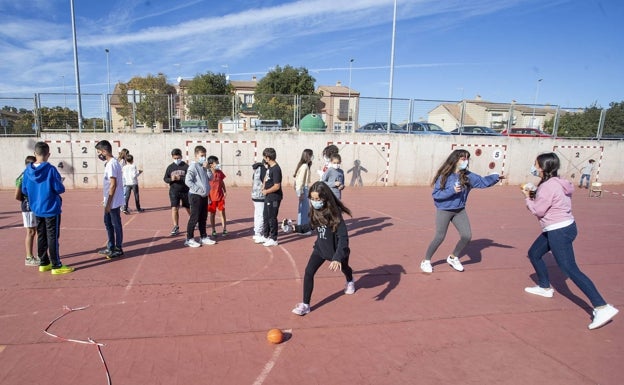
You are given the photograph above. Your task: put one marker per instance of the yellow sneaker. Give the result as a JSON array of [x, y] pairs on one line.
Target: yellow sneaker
[[47, 267], [62, 270]]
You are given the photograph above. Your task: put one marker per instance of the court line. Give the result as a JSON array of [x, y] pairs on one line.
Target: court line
[[270, 364]]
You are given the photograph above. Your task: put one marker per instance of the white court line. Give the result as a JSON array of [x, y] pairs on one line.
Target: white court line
[[136, 271], [270, 364]]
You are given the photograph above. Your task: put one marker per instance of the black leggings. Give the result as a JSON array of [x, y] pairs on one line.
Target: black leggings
[[314, 263]]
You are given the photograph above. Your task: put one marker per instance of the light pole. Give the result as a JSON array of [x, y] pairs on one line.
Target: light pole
[[64, 94], [349, 103], [108, 95], [535, 102], [392, 67], [76, 67]]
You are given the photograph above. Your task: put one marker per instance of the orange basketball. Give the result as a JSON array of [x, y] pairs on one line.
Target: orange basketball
[[275, 336]]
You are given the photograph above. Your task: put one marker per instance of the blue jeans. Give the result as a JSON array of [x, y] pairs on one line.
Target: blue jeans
[[559, 243], [303, 210], [112, 222], [584, 176]]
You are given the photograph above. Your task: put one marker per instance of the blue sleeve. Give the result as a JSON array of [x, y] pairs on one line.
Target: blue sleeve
[[340, 176], [57, 183], [478, 181], [445, 193]]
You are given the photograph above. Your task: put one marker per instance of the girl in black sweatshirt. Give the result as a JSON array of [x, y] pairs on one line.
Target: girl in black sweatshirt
[[332, 242]]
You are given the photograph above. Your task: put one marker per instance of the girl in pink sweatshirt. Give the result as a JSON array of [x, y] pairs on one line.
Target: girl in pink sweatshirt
[[552, 205]]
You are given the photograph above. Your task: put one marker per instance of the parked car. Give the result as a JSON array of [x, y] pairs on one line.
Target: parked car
[[379, 127], [475, 130], [526, 132], [423, 128]]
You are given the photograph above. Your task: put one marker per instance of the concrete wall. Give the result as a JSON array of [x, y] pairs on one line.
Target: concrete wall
[[393, 160]]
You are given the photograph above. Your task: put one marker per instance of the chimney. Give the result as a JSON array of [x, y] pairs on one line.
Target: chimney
[[253, 78], [338, 83]]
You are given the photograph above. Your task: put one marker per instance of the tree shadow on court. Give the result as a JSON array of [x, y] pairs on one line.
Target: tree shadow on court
[[388, 276], [364, 225], [474, 251], [559, 281]]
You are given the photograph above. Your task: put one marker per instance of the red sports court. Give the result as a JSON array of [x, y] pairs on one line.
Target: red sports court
[[166, 314]]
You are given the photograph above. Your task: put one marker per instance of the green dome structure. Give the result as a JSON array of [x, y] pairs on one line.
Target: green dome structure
[[312, 123]]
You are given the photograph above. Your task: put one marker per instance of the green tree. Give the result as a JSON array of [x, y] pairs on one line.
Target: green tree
[[209, 98], [584, 124], [614, 120], [151, 101], [59, 119], [275, 94], [21, 123]]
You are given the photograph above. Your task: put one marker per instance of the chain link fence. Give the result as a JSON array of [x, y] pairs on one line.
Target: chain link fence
[[151, 113]]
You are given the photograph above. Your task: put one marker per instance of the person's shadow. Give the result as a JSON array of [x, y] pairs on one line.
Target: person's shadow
[[363, 225], [559, 282], [388, 275], [474, 251]]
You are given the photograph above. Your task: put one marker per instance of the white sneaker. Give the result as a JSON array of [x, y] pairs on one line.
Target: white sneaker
[[548, 293], [454, 262], [602, 316], [191, 243], [287, 225], [301, 309], [350, 287], [259, 239], [270, 242], [426, 267], [207, 241]]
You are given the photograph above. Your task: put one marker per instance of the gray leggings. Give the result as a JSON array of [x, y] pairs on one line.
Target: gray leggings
[[459, 218]]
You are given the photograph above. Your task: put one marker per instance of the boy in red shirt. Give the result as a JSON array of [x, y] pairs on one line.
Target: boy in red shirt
[[217, 194]]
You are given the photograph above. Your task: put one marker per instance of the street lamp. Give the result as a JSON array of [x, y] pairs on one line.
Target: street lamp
[[64, 94], [108, 95], [349, 103], [392, 66], [535, 102]]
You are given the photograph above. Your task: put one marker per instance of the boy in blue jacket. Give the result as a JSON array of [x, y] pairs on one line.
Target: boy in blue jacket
[[43, 186]]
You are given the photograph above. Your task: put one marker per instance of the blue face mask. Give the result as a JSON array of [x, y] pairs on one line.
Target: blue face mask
[[317, 204], [202, 160], [534, 171], [463, 165]]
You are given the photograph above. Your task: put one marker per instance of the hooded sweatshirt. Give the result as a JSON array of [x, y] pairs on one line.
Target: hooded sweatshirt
[[43, 186], [553, 204], [198, 179], [447, 199]]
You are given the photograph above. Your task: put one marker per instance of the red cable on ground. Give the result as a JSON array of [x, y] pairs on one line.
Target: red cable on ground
[[89, 341]]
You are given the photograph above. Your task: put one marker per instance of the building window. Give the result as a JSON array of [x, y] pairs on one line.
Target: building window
[[337, 126], [343, 109]]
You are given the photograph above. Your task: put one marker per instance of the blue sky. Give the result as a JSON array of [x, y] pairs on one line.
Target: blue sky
[[445, 49]]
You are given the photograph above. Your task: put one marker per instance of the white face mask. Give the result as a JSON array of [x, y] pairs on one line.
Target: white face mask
[[317, 204], [177, 161], [463, 164], [335, 165], [202, 160], [534, 171]]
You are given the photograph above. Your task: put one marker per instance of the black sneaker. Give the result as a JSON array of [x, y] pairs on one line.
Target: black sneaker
[[116, 253], [175, 230], [105, 251]]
